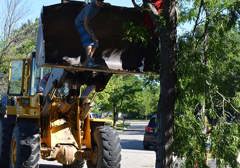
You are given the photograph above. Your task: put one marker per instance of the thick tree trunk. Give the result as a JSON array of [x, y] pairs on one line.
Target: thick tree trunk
[[168, 86]]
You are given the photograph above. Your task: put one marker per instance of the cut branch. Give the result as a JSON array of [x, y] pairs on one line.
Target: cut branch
[[228, 101]]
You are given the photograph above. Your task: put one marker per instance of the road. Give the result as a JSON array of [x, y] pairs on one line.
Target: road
[[133, 154]]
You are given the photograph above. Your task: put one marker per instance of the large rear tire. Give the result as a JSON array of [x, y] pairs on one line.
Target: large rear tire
[[76, 164], [25, 144], [6, 129], [107, 148]]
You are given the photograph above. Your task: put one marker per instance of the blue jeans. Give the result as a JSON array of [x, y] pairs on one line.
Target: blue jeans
[[86, 39]]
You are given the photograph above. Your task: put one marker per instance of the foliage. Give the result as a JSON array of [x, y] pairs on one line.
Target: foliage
[[224, 147], [20, 44], [128, 95], [136, 34], [208, 86]]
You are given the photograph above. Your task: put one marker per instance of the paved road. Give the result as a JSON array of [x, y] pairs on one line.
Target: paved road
[[133, 155]]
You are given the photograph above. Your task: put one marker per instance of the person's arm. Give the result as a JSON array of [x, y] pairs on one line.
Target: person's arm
[[153, 9]]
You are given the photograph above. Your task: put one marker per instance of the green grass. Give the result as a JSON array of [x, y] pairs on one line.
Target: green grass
[[121, 126]]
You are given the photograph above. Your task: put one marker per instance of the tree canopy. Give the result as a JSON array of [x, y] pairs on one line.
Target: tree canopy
[[134, 96]]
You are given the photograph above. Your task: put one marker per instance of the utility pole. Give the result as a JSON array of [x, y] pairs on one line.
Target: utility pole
[[168, 78]]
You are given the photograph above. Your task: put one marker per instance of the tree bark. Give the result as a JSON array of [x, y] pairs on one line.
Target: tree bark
[[168, 80]]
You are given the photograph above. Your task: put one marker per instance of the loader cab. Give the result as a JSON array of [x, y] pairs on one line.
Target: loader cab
[[25, 77], [16, 78], [23, 86]]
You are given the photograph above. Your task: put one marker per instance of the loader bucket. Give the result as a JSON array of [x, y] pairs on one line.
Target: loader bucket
[[58, 38]]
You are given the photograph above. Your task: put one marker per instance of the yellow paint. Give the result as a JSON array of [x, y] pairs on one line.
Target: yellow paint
[[13, 152], [87, 133], [11, 110], [62, 136], [31, 111], [26, 76], [108, 121]]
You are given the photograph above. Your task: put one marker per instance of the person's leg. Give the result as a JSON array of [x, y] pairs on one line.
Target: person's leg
[[87, 43], [90, 50], [88, 54], [89, 61], [93, 49]]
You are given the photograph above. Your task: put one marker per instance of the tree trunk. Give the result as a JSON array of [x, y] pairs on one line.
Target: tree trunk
[[115, 115], [168, 79]]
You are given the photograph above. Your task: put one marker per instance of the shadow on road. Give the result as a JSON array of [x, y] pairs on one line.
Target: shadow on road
[[131, 144]]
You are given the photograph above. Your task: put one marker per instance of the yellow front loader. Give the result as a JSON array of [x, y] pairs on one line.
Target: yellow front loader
[[47, 116]]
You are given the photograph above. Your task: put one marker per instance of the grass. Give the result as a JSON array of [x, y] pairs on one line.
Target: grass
[[121, 126]]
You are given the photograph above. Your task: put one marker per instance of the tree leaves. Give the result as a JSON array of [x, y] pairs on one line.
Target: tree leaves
[[129, 95], [19, 45], [208, 92]]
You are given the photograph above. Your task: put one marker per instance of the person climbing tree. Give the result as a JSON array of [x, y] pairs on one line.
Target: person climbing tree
[[151, 18], [156, 6]]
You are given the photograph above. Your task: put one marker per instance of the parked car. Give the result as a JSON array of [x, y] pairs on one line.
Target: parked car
[[150, 137], [94, 115]]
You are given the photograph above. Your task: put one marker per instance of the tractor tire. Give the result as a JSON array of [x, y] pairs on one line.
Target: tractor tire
[[25, 144], [6, 129], [106, 147], [76, 164]]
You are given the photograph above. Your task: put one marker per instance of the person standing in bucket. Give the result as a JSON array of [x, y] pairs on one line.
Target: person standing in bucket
[[88, 38]]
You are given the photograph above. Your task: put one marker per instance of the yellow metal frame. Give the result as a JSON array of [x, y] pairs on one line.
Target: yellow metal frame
[[30, 111], [87, 133]]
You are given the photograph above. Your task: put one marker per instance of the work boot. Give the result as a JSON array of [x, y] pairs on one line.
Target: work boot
[[91, 63], [73, 61]]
